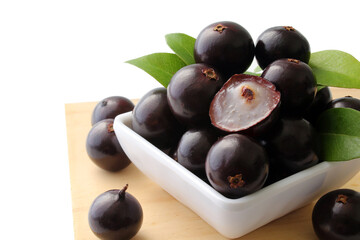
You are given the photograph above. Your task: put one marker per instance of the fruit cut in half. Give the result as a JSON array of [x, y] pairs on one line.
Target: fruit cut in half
[[245, 101]]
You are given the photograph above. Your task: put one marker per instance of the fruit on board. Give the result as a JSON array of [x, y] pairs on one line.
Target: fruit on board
[[104, 149], [336, 215], [110, 107], [115, 214]]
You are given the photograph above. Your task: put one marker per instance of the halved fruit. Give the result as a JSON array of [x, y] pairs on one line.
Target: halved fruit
[[245, 103]]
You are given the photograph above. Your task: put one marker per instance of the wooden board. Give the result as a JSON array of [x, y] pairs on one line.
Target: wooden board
[[164, 217]]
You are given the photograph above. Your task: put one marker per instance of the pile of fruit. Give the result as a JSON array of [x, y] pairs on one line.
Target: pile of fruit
[[238, 131]]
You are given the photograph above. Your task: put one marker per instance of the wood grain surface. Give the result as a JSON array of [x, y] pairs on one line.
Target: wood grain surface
[[164, 217]]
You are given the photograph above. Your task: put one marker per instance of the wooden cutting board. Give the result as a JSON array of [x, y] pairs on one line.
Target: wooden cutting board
[[164, 217]]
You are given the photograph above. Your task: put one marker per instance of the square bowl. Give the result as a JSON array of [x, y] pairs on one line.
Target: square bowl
[[232, 218]]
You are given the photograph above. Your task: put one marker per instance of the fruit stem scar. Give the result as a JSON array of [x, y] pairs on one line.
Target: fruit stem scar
[[110, 127], [236, 181], [122, 192], [342, 199], [247, 93], [289, 28], [210, 74], [103, 103], [293, 60], [219, 28]]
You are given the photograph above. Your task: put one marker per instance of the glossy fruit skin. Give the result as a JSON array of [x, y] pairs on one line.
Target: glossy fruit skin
[[336, 215], [115, 215], [193, 147], [296, 82], [246, 95], [104, 149], [281, 42], [191, 91], [345, 102], [322, 99], [110, 107], [226, 46], [291, 145], [236, 166], [153, 120]]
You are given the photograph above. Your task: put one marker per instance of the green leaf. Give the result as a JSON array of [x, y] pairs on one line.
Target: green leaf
[[335, 68], [319, 87], [182, 45], [340, 121], [252, 73], [258, 69], [339, 134], [338, 147], [161, 66]]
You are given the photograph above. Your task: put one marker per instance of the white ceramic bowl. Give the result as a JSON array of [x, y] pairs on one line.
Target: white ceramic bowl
[[232, 218]]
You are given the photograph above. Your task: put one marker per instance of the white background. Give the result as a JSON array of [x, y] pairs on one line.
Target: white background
[[57, 52]]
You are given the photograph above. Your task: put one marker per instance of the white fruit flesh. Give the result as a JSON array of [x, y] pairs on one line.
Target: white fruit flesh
[[242, 105]]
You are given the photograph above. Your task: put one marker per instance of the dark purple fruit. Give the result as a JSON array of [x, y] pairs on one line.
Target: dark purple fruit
[[193, 148], [190, 92], [296, 82], [322, 98], [111, 107], [292, 145], [115, 214], [277, 172], [236, 166], [345, 102], [226, 46], [103, 147], [153, 120], [281, 42], [246, 104], [336, 215]]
